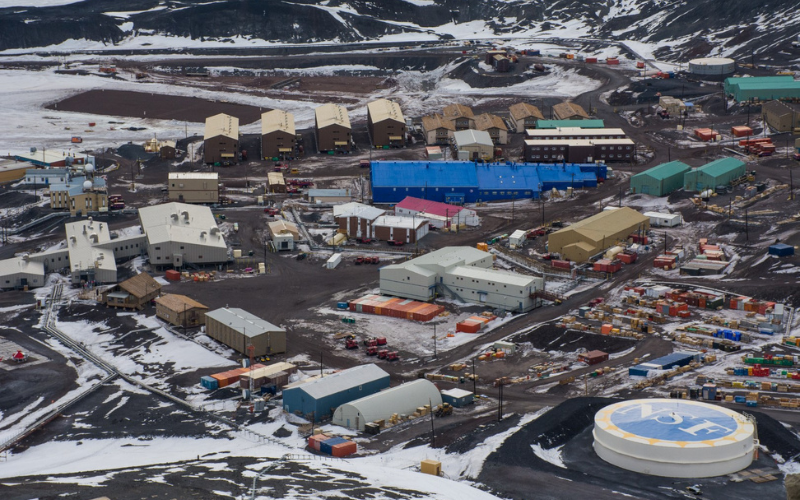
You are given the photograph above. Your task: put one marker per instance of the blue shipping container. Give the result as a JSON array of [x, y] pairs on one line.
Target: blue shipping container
[[342, 305], [327, 445], [209, 383], [752, 403], [738, 399]]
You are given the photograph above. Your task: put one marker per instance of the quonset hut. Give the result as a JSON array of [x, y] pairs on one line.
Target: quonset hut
[[674, 438], [403, 399]]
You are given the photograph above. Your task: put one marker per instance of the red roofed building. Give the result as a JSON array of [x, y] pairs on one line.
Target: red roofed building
[[439, 214]]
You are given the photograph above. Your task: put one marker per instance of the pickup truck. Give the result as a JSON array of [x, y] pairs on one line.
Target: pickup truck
[[395, 243]]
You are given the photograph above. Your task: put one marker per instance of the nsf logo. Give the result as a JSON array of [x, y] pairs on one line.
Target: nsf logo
[[673, 421]]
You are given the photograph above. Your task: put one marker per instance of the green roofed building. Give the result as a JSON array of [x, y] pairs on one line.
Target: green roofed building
[[660, 180], [553, 124], [763, 88], [717, 173]]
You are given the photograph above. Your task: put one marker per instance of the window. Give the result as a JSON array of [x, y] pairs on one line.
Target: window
[[181, 247], [158, 248], [158, 258]]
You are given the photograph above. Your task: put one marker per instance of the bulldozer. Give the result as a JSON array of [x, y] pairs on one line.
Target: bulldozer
[[443, 410]]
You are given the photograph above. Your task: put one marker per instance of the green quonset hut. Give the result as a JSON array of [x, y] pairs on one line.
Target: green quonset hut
[[660, 180], [717, 173], [554, 124], [762, 88]]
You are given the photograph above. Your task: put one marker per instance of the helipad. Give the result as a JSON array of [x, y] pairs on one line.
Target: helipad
[[674, 438]]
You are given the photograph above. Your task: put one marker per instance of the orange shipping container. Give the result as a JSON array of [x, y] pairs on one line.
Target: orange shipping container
[[316, 439], [344, 449], [606, 328]]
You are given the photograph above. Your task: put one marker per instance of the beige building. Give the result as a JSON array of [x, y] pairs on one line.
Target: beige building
[[134, 293], [781, 116], [12, 170], [333, 128], [284, 234], [221, 139], [276, 182], [524, 116], [237, 329], [569, 111], [461, 116], [593, 235], [193, 187], [673, 105], [437, 129], [278, 137], [473, 145], [386, 124], [494, 125], [180, 310]]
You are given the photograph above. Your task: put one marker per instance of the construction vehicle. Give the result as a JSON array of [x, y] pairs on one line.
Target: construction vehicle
[[392, 356], [443, 410], [376, 260], [359, 260], [372, 351], [381, 340], [375, 341], [350, 343], [383, 353], [271, 211]]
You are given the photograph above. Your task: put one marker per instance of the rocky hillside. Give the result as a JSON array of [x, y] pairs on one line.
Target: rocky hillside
[[679, 28]]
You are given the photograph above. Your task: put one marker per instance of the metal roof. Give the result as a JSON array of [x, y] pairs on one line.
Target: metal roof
[[456, 393], [180, 222], [331, 114], [49, 156], [16, 265], [11, 165], [178, 303], [533, 133], [606, 223], [472, 137], [568, 109], [578, 142], [721, 166], [429, 207], [342, 381], [402, 399], [665, 170], [354, 209], [487, 121], [384, 109], [400, 222], [508, 177], [243, 322], [194, 175], [221, 124], [433, 122], [522, 110], [277, 120], [448, 257], [551, 124], [424, 174], [492, 275], [457, 111], [281, 227], [322, 193], [81, 238]]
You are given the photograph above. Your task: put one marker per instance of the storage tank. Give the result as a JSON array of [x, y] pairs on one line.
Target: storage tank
[[674, 438], [613, 251], [712, 66]]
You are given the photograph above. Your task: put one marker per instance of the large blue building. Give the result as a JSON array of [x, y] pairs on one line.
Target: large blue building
[[317, 399], [469, 182]]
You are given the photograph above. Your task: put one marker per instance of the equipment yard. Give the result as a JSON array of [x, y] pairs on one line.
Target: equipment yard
[[550, 291]]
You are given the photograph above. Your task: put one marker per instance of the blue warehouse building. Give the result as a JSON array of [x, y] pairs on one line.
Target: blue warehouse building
[[317, 399], [461, 182]]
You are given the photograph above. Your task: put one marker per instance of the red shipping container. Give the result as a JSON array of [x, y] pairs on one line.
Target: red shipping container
[[562, 264], [741, 131], [344, 449], [468, 326], [591, 59], [612, 61], [316, 439], [627, 257], [172, 275]]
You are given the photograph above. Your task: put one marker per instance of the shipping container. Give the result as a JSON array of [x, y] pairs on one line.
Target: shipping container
[[327, 445], [316, 440], [345, 449], [209, 383], [561, 264], [172, 275]]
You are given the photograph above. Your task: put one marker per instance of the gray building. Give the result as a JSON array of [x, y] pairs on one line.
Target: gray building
[[89, 261], [403, 399], [20, 272], [178, 233], [237, 329], [464, 273]]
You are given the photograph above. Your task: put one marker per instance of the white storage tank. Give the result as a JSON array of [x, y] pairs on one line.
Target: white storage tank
[[334, 261], [674, 438], [612, 252], [711, 66]]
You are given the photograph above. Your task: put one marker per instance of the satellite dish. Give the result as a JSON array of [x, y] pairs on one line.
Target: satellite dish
[[87, 185]]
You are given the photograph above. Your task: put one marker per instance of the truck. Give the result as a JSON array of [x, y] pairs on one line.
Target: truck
[[395, 243], [350, 343]]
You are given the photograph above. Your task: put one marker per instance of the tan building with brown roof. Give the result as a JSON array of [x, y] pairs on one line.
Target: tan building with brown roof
[[333, 128], [221, 139], [494, 125], [462, 116], [569, 111], [180, 310], [437, 129], [524, 116], [133, 293], [386, 124], [277, 134]]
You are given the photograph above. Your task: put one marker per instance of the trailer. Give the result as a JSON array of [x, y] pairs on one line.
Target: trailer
[[659, 219]]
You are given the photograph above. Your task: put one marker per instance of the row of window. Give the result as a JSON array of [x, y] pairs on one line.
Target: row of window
[[486, 193]]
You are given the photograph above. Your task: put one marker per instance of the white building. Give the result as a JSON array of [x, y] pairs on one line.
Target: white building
[[178, 233], [20, 272], [473, 145], [356, 219], [464, 273], [88, 260], [439, 214], [405, 229], [517, 238], [659, 219], [403, 400]]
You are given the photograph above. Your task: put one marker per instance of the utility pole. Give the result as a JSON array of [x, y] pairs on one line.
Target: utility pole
[[512, 209], [746, 228], [433, 430], [620, 197], [500, 407], [320, 363], [474, 380], [435, 355]]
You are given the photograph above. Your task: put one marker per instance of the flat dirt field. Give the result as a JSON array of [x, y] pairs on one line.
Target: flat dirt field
[[164, 107]]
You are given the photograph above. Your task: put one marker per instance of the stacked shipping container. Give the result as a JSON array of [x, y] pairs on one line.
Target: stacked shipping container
[[396, 308], [474, 324], [334, 446]]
